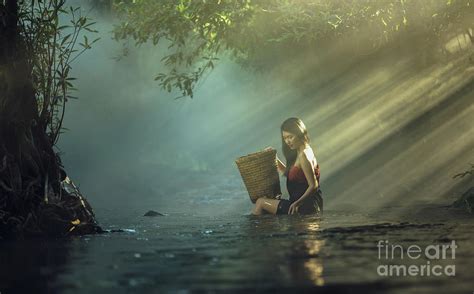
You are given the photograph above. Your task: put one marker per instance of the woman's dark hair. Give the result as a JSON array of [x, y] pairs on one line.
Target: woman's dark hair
[[295, 126]]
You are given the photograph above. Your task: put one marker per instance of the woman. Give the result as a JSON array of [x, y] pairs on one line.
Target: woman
[[302, 172]]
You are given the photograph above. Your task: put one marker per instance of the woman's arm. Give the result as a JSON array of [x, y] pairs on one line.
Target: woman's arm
[[280, 165]]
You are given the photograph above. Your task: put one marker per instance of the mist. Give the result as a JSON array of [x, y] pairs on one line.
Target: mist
[[386, 130], [386, 92]]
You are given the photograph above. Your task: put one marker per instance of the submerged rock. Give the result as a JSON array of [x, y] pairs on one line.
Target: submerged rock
[[153, 213]]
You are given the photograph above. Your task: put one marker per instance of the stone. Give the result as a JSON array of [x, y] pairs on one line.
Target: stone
[[153, 213]]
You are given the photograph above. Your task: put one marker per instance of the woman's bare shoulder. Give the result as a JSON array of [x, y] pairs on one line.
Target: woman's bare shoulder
[[308, 154]]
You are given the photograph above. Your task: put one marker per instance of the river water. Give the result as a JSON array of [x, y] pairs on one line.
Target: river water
[[185, 252]]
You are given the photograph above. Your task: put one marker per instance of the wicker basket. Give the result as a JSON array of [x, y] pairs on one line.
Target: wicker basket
[[260, 175]]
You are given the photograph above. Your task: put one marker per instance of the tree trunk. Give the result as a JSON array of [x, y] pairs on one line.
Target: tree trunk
[[33, 198]]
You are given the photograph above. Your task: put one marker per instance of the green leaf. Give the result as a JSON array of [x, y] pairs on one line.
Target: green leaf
[[64, 40]]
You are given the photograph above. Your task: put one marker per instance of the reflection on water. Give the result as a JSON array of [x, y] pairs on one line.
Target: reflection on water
[[32, 266], [314, 265]]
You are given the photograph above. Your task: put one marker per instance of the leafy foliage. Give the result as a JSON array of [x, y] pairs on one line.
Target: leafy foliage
[[197, 32], [36, 51], [51, 48]]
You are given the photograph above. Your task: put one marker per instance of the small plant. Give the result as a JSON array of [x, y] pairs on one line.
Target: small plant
[[465, 173], [467, 198], [51, 48]]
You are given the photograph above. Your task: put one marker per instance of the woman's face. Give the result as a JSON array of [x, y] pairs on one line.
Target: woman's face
[[291, 140]]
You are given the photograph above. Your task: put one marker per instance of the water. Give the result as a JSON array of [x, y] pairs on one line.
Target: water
[[186, 252]]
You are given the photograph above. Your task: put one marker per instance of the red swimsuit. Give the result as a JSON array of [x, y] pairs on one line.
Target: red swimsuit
[[297, 184], [296, 174]]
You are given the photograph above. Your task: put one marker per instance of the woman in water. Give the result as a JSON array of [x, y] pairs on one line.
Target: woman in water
[[302, 172]]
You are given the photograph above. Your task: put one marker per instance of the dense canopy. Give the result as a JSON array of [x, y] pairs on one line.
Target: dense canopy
[[254, 31]]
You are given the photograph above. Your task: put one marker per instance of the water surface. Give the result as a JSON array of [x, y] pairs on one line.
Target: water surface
[[186, 252]]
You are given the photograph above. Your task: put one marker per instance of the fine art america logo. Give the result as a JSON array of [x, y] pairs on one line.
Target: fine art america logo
[[439, 259]]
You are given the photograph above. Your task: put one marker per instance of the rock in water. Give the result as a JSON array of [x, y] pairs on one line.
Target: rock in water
[[153, 213], [466, 200]]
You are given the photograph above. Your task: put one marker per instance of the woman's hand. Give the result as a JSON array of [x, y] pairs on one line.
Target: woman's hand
[[294, 207], [280, 165]]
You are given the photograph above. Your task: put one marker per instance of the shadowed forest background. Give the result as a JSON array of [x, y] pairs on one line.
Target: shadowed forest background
[[389, 114]]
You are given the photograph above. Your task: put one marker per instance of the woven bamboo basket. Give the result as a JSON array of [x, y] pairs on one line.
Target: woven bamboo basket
[[260, 175]]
